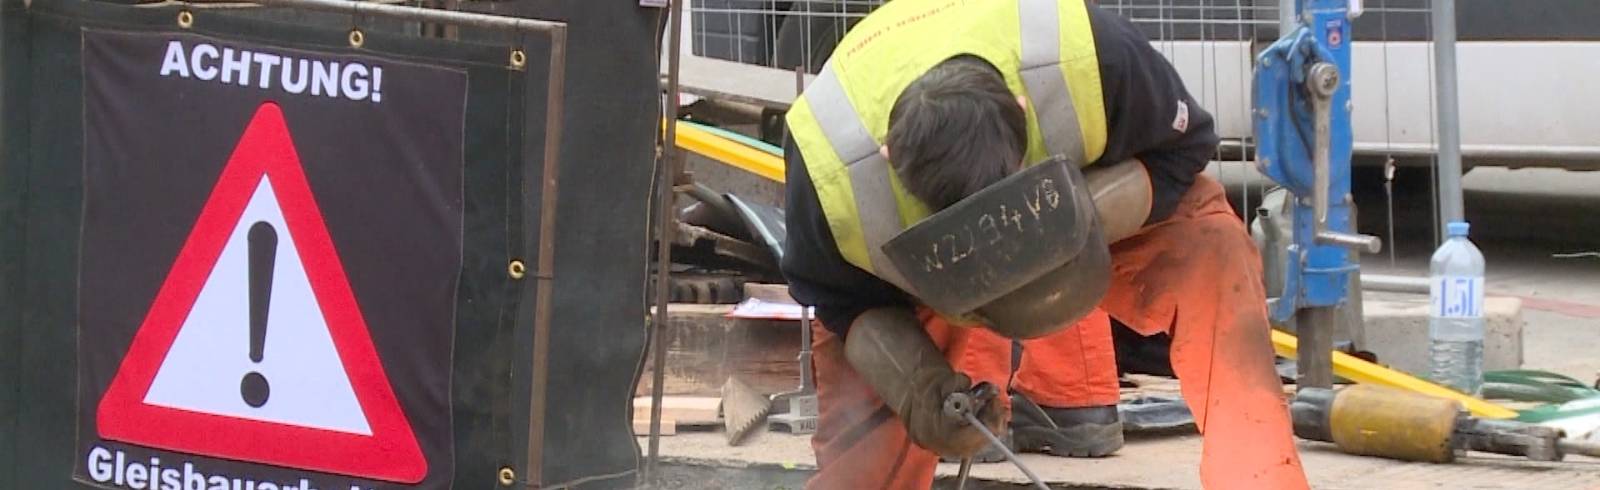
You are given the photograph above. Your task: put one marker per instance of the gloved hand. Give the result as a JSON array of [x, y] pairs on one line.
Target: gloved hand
[[933, 429], [888, 347]]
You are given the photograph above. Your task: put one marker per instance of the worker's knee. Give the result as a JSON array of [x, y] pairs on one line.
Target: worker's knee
[[1221, 246]]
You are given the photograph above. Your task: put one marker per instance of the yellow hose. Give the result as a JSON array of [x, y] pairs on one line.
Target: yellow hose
[[1360, 371]]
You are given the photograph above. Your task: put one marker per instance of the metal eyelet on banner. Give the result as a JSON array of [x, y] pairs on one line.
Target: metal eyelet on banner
[[185, 19], [357, 38], [516, 269], [519, 59], [507, 476]]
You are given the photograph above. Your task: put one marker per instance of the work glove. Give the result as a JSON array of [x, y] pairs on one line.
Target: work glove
[[890, 350], [930, 427]]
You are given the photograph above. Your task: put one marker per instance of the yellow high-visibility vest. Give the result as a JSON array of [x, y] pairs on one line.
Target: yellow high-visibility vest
[[1044, 48]]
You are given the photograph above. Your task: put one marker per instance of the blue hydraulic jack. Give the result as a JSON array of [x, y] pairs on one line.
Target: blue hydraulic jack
[[1302, 128]]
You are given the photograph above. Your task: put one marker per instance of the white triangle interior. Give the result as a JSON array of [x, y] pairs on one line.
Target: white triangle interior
[[203, 369]]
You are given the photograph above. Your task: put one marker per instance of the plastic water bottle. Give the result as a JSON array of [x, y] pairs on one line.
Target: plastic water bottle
[[1455, 322]]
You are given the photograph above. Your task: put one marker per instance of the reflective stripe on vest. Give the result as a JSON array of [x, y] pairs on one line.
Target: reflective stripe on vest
[[1047, 89], [1043, 73], [869, 171]]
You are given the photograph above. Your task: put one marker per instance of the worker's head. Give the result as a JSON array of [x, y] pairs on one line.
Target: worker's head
[[955, 136], [955, 130]]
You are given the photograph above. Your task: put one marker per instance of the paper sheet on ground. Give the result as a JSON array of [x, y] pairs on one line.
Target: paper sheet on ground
[[767, 310]]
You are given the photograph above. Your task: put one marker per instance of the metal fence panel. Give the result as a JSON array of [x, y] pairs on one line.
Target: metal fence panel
[[1522, 67]]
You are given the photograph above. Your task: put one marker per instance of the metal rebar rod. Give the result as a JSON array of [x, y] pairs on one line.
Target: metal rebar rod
[[1394, 284], [1010, 456], [964, 473], [1449, 127], [666, 168], [406, 12], [1586, 448]]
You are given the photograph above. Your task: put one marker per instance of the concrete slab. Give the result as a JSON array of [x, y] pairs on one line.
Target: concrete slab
[[1560, 344], [1168, 462], [1397, 331]]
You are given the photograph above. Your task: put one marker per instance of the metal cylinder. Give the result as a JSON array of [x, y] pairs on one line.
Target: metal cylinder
[[1314, 326], [1394, 284], [1310, 413], [1444, 64], [1364, 243], [1386, 422]]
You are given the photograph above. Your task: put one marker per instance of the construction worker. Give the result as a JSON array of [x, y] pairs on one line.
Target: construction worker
[[926, 102]]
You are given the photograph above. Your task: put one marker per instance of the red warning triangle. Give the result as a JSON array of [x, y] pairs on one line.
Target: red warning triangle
[[183, 384]]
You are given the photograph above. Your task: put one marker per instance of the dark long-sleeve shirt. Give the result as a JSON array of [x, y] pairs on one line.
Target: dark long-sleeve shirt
[[1149, 116]]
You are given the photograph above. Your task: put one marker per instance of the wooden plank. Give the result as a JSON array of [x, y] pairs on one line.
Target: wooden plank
[[641, 426], [741, 82], [681, 409]]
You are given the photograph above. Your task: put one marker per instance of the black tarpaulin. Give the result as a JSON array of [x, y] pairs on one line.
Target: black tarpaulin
[[105, 171]]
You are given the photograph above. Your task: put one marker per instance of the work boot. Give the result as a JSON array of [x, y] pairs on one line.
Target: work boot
[[1087, 432]]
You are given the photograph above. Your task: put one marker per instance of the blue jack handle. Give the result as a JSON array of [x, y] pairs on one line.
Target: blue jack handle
[[1321, 83]]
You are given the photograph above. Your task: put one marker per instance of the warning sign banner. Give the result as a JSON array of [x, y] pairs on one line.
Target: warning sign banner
[[271, 246]]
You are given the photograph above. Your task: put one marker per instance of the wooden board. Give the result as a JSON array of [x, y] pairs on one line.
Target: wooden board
[[683, 410], [641, 426]]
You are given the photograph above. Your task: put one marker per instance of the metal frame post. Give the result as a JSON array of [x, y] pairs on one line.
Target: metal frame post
[[1287, 13], [544, 273], [1451, 207], [666, 173], [406, 12]]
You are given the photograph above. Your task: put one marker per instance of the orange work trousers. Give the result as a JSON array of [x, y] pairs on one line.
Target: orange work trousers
[[1196, 276]]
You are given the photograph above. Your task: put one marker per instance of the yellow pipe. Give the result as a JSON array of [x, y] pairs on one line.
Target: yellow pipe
[[1360, 371], [730, 152]]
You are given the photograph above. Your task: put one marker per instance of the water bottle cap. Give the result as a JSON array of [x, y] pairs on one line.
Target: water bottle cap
[[1457, 228]]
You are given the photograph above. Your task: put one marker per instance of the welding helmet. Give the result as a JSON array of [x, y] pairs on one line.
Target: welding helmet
[[1025, 256]]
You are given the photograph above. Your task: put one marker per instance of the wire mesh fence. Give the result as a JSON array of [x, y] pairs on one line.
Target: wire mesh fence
[[1211, 42], [1544, 43], [1524, 69], [774, 34]]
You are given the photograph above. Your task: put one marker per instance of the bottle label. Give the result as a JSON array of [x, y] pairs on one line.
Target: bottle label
[[1457, 297]]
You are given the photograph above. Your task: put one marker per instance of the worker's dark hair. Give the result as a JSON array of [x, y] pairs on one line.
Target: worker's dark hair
[[955, 130]]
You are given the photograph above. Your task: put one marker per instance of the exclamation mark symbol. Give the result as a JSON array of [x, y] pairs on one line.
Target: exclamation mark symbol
[[377, 84], [263, 250]]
